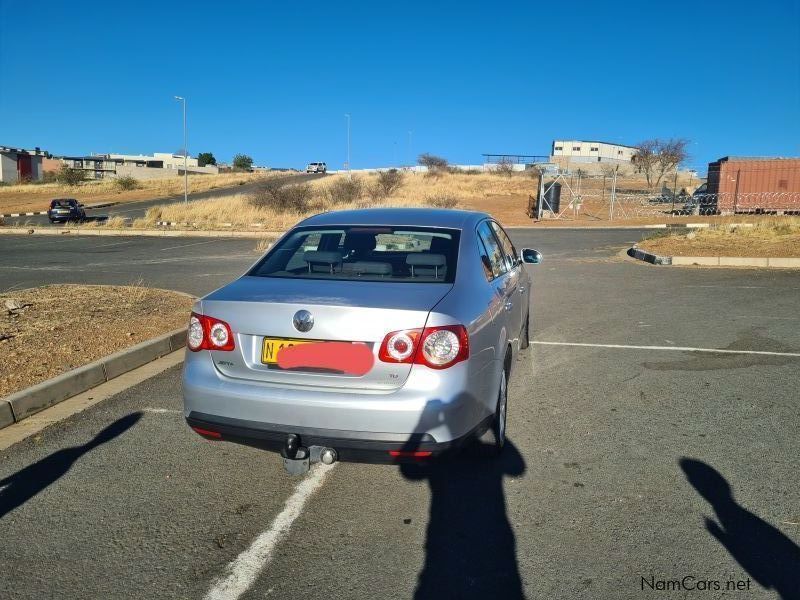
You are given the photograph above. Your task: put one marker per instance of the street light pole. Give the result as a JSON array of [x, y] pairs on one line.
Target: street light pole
[[185, 153], [410, 155], [349, 170]]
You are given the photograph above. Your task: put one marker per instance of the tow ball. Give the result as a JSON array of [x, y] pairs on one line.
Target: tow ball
[[297, 458]]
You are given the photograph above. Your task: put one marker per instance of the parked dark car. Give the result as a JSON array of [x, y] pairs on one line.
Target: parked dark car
[[65, 209]]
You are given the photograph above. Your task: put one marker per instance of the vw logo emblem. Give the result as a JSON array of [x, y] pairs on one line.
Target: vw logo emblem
[[303, 320]]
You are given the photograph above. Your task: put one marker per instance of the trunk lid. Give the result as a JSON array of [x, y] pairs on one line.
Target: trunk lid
[[347, 311]]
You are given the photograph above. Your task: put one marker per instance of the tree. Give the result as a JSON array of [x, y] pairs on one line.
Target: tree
[[434, 163], [206, 158], [505, 166], [655, 158], [242, 162], [70, 177]]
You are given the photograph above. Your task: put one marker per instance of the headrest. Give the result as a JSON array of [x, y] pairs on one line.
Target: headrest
[[426, 260], [324, 257], [368, 267]]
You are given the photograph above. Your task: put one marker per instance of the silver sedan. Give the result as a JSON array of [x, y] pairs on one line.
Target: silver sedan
[[377, 334]]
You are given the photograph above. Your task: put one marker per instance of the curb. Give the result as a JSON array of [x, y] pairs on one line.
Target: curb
[[25, 214], [653, 259], [45, 230], [715, 261], [44, 212], [27, 402]]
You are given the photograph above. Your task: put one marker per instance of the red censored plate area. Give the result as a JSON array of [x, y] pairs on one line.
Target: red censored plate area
[[352, 358]]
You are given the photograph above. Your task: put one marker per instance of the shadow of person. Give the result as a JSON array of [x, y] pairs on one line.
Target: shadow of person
[[771, 558], [23, 485], [470, 549]]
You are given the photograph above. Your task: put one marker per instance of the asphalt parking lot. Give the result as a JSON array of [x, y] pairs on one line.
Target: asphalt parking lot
[[632, 464]]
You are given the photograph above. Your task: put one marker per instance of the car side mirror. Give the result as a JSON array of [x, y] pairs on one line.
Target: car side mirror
[[530, 256]]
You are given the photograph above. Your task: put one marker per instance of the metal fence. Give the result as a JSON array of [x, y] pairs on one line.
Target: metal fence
[[578, 197]]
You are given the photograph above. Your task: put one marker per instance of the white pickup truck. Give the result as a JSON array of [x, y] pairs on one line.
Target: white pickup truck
[[316, 167]]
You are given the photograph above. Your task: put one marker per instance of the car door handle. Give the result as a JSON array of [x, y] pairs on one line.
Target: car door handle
[[509, 305]]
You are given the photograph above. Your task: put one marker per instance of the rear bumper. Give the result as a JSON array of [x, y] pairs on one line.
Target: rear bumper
[[429, 412], [350, 446]]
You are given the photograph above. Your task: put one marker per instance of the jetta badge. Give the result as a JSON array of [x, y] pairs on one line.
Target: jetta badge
[[303, 320]]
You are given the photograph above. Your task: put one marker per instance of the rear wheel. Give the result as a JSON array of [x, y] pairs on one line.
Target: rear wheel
[[494, 439]]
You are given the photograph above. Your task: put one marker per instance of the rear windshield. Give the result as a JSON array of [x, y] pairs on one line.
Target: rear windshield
[[64, 203], [394, 254]]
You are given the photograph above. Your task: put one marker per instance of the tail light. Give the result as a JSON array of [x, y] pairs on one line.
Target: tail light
[[208, 333], [434, 347]]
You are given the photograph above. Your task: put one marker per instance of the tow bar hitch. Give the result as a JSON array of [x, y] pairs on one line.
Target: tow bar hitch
[[297, 459]]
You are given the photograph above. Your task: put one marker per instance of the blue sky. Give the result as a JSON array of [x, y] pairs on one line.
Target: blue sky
[[274, 80]]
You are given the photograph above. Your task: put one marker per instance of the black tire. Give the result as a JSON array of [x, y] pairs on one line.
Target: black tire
[[492, 442], [525, 336]]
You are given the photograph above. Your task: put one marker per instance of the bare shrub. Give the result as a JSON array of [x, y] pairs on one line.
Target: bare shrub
[[389, 181], [125, 183], [70, 177], [505, 167], [264, 244], [345, 190], [442, 201], [435, 164], [283, 198]]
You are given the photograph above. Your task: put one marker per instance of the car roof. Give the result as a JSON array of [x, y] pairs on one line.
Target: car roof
[[421, 217]]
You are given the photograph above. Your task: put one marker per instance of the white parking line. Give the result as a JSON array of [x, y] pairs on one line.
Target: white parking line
[[114, 244], [673, 348], [159, 411], [242, 572], [187, 245]]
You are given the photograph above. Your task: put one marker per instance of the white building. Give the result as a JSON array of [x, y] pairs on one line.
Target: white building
[[582, 151], [140, 166], [165, 160]]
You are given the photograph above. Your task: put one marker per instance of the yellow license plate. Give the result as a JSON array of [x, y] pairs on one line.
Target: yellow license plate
[[271, 347]]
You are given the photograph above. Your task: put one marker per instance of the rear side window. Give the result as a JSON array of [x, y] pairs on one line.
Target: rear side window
[[492, 251], [62, 203], [359, 253]]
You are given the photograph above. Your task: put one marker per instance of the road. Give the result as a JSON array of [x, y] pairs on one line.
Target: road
[[137, 209], [629, 464]]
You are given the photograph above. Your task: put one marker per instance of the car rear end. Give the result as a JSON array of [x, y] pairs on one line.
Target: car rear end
[[62, 210], [334, 338]]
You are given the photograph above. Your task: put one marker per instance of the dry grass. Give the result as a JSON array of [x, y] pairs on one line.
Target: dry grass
[[263, 245], [415, 190], [239, 211], [60, 327], [769, 237], [29, 198], [504, 196]]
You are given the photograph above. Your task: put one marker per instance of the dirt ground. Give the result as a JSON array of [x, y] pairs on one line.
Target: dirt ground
[[36, 197], [769, 238], [60, 327]]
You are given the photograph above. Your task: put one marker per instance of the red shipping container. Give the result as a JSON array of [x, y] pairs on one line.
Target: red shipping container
[[755, 184]]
